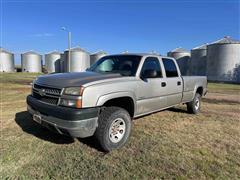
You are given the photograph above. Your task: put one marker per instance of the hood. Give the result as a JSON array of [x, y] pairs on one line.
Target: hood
[[61, 80]]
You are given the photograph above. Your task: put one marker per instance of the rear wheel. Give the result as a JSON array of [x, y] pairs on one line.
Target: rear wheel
[[114, 127], [195, 105]]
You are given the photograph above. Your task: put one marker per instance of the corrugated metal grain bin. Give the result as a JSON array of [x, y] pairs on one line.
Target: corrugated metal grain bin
[[80, 60], [96, 56], [223, 60], [31, 62], [198, 62], [51, 61], [182, 57], [6, 61]]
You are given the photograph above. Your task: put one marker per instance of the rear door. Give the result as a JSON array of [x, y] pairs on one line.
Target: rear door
[[174, 82], [151, 91]]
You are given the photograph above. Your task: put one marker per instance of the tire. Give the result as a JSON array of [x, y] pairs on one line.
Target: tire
[[194, 106], [108, 136]]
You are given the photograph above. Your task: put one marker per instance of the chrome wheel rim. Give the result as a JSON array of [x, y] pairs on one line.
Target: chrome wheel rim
[[117, 130], [197, 104]]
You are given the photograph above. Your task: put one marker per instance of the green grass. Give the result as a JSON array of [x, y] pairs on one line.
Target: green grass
[[169, 144]]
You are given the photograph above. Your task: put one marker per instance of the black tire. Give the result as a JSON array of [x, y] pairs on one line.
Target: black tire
[[192, 106], [107, 117]]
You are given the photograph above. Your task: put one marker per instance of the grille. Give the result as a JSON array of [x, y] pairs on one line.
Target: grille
[[46, 94], [48, 90]]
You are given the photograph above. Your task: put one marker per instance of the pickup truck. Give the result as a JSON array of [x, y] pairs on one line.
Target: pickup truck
[[103, 100]]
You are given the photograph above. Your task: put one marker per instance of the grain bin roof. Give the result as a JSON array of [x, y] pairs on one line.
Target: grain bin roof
[[77, 48], [204, 46], [54, 52], [179, 50], [5, 51], [99, 52], [226, 40], [31, 52]]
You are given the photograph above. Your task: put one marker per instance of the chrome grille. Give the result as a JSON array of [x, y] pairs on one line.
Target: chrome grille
[[46, 94]]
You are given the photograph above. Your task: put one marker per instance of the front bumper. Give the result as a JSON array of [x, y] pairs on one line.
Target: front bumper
[[67, 121]]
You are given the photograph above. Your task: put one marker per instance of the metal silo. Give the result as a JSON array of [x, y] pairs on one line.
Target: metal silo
[[80, 60], [51, 61], [198, 62], [182, 57], [6, 61], [31, 62], [96, 56], [223, 60]]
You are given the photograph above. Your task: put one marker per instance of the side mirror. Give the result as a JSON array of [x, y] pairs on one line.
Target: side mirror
[[149, 73]]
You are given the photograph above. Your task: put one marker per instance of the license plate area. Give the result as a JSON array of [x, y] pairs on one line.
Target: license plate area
[[37, 118]]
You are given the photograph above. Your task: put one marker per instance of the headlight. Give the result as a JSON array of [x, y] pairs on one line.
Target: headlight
[[77, 103], [75, 91]]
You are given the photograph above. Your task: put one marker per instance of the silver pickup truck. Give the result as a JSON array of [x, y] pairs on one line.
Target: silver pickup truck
[[116, 89]]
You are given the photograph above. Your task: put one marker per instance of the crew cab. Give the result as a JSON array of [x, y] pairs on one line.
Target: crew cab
[[102, 101]]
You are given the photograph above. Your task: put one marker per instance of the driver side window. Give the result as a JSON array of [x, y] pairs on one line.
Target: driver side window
[[151, 63]]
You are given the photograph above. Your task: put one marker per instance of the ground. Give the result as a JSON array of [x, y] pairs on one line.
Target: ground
[[169, 144]]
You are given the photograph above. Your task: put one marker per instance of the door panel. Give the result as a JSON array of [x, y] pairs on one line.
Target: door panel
[[174, 91], [151, 95], [174, 82]]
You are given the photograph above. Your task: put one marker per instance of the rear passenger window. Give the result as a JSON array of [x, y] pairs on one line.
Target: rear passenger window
[[170, 68], [152, 63]]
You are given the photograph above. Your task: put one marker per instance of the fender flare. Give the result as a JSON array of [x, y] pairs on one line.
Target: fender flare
[[106, 97]]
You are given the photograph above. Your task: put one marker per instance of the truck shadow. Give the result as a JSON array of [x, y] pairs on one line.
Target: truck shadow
[[24, 120]]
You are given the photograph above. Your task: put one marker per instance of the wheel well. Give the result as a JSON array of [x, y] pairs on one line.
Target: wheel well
[[200, 90], [123, 102]]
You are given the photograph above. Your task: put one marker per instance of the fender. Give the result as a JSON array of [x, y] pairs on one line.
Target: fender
[[104, 98]]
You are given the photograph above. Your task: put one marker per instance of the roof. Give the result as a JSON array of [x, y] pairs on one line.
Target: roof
[[77, 48], [225, 40], [179, 50], [5, 51], [54, 52], [204, 46], [99, 52], [31, 52]]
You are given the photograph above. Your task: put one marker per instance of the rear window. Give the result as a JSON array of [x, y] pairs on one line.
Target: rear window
[[170, 67]]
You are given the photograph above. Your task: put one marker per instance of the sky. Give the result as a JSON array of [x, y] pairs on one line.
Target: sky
[[116, 25]]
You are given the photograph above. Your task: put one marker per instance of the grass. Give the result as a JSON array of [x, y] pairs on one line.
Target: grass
[[169, 144]]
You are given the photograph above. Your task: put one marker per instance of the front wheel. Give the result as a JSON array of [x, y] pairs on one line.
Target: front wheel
[[114, 127], [193, 107]]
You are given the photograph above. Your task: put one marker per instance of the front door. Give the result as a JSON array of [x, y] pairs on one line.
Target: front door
[[151, 91]]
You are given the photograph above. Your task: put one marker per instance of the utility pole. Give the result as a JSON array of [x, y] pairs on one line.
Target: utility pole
[[69, 48]]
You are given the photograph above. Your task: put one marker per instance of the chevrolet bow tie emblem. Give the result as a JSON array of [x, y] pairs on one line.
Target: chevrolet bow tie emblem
[[42, 92]]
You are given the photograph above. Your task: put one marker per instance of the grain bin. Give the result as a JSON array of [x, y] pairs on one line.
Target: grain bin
[[198, 62], [80, 60], [6, 61], [223, 60], [51, 61], [31, 62], [96, 56], [182, 57]]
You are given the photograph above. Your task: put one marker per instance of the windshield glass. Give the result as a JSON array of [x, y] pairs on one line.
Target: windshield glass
[[126, 65]]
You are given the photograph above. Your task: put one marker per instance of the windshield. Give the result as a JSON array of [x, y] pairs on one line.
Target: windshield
[[126, 65]]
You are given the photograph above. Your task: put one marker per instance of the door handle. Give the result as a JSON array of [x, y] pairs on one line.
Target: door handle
[[179, 83], [163, 84]]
